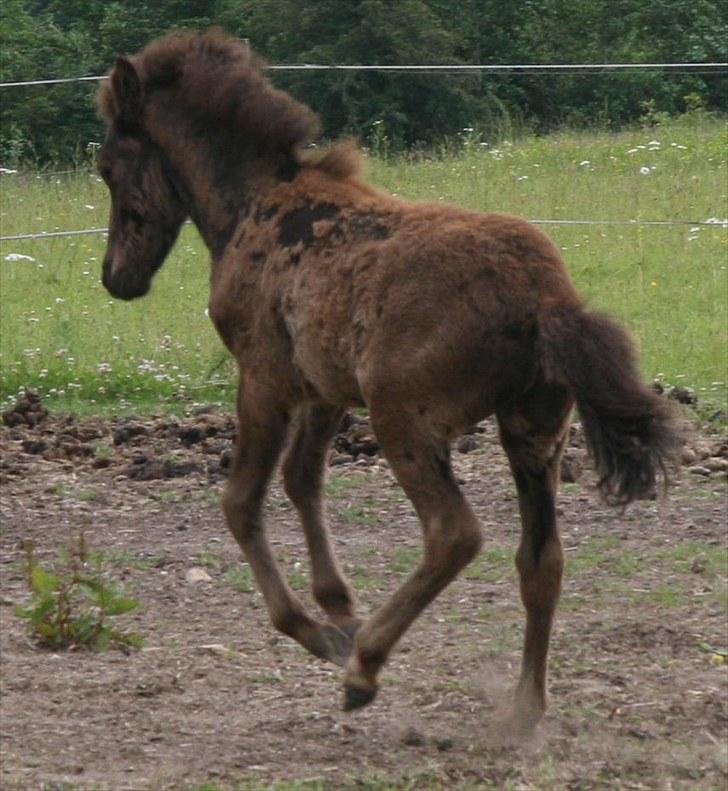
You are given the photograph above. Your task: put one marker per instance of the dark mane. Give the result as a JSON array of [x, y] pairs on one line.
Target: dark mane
[[339, 160], [217, 77]]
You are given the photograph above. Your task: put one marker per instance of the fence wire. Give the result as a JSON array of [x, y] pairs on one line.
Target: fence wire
[[455, 68], [518, 68], [712, 223]]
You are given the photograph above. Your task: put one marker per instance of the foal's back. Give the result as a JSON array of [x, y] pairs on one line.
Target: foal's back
[[369, 293]]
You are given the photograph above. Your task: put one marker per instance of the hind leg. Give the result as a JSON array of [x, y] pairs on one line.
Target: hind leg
[[303, 475], [451, 534], [533, 433]]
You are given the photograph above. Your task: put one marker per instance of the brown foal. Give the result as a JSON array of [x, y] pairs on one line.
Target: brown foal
[[330, 294]]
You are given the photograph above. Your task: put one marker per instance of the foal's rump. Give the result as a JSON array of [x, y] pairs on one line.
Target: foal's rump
[[453, 308], [487, 315]]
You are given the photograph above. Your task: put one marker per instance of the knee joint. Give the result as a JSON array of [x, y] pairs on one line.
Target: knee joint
[[457, 548], [242, 516]]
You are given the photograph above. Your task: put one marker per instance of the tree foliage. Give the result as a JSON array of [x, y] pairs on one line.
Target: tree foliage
[[64, 38]]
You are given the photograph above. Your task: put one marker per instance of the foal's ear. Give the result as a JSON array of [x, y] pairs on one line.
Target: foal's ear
[[127, 88]]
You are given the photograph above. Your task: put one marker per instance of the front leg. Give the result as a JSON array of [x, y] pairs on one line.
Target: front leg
[[261, 432]]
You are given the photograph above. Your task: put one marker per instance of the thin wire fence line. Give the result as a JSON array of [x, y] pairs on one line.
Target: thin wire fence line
[[481, 68], [18, 237], [521, 68], [653, 223]]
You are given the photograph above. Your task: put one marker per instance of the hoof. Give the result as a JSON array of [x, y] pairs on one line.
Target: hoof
[[521, 727], [358, 697], [334, 644], [526, 716]]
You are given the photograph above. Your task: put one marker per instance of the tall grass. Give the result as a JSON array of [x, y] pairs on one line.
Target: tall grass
[[62, 334]]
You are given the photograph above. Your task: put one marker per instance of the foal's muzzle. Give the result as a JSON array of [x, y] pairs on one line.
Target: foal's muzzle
[[123, 283]]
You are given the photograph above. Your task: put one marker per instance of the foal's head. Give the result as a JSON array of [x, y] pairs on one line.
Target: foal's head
[[146, 208], [194, 126]]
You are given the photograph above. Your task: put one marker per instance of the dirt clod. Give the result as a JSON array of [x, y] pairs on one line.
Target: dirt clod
[[413, 738], [28, 411]]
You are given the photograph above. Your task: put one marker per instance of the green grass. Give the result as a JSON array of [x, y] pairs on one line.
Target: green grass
[[240, 577], [358, 514], [363, 579], [712, 560], [493, 564], [342, 485], [406, 559], [62, 334], [419, 781], [315, 784]]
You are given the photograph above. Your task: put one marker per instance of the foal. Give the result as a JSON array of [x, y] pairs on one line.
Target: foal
[[330, 294]]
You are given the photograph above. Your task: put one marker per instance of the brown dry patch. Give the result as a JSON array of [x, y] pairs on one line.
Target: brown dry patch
[[638, 699]]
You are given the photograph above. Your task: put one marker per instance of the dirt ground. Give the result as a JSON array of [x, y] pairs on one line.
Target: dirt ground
[[638, 675]]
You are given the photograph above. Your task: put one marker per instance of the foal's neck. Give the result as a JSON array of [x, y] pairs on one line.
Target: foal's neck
[[222, 180]]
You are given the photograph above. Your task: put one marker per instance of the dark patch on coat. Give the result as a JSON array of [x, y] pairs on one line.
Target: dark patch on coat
[[297, 225], [367, 226], [257, 257]]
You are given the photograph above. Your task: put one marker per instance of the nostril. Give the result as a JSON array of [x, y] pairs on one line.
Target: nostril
[[109, 277], [106, 269]]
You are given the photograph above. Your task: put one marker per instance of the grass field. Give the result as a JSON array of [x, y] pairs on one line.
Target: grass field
[[63, 335]]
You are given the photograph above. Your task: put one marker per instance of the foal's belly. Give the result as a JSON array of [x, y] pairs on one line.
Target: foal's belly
[[328, 376]]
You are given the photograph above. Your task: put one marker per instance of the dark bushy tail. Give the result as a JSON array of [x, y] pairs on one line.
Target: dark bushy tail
[[630, 430]]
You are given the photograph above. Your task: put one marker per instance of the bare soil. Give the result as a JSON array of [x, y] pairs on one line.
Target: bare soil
[[638, 674]]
